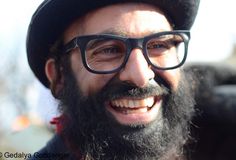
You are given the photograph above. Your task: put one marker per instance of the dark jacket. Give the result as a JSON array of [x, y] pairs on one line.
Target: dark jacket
[[54, 150]]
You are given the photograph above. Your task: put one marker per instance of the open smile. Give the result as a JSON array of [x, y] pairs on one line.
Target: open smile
[[128, 111]]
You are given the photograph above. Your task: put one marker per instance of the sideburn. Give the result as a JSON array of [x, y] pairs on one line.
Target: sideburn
[[61, 60]]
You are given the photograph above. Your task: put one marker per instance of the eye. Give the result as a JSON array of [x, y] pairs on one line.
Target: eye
[[106, 47], [164, 42], [158, 45], [108, 50], [162, 45]]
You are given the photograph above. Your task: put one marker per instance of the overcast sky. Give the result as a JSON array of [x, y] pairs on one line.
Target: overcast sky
[[214, 31]]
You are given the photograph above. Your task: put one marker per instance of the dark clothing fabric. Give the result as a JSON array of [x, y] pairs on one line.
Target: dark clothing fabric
[[54, 150]]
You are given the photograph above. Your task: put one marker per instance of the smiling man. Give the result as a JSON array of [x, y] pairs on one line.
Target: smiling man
[[115, 67]]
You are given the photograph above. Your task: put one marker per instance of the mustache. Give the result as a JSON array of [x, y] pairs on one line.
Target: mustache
[[120, 89]]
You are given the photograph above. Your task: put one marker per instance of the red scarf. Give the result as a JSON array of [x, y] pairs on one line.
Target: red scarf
[[57, 121]]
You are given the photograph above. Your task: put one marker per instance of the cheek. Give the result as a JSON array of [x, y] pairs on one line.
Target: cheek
[[89, 83], [172, 77]]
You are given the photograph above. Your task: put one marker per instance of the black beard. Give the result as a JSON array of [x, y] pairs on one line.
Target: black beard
[[92, 132]]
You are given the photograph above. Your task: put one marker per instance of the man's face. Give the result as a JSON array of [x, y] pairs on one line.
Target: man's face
[[136, 113], [132, 21]]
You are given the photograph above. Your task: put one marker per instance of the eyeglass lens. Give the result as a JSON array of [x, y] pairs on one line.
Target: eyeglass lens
[[166, 51], [107, 54]]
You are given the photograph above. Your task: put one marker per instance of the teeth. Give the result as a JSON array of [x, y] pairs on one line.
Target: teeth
[[115, 103], [150, 101], [132, 103], [140, 110]]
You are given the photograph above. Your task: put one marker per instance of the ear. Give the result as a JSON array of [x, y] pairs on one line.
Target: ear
[[54, 76], [50, 70]]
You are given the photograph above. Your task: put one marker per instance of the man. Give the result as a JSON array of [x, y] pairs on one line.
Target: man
[[115, 67]]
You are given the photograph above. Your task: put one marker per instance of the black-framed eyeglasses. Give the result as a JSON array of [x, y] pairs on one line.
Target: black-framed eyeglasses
[[103, 54]]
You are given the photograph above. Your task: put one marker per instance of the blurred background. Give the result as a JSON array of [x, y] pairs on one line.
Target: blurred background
[[26, 107]]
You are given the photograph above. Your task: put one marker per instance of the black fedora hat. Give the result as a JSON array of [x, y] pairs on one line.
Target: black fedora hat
[[53, 16]]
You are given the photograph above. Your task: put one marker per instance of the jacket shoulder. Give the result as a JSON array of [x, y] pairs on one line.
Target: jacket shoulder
[[55, 149]]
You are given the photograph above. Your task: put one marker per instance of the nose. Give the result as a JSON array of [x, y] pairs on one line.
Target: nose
[[137, 71]]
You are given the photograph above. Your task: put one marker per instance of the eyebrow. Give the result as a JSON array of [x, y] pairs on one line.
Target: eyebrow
[[121, 32], [114, 31]]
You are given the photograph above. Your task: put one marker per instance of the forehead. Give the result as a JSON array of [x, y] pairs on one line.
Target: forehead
[[130, 19]]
